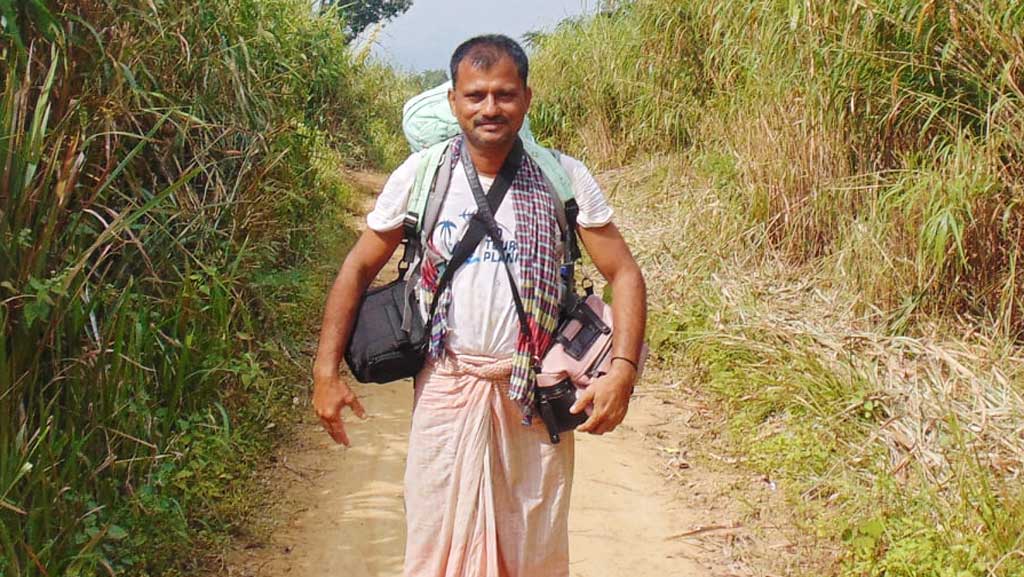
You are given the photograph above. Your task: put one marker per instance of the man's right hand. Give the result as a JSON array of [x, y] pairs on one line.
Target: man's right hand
[[330, 396], [363, 262]]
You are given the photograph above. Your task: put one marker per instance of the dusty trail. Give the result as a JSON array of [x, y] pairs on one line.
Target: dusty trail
[[348, 519], [338, 512]]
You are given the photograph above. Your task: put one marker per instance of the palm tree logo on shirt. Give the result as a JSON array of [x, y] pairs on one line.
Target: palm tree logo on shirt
[[446, 235]]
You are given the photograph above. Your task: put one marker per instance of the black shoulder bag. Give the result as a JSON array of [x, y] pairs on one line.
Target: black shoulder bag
[[380, 348]]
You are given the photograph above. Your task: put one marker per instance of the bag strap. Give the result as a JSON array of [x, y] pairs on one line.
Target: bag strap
[[438, 194], [571, 254], [432, 160], [477, 226], [551, 165], [430, 189], [423, 209], [433, 175], [485, 214]]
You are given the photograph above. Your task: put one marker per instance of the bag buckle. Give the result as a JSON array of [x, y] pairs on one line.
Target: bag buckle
[[588, 285]]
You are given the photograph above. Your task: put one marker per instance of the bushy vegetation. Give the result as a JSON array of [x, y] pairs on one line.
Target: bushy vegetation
[[902, 117], [825, 197], [164, 167]]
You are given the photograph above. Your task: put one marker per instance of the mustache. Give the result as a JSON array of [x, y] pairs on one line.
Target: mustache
[[490, 120]]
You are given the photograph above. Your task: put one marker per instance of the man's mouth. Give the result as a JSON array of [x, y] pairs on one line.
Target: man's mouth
[[496, 122]]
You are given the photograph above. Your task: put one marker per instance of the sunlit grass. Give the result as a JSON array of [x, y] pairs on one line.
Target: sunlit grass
[[824, 198], [827, 112], [161, 162]]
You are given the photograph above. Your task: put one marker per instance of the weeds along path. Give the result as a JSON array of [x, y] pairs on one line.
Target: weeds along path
[[339, 512]]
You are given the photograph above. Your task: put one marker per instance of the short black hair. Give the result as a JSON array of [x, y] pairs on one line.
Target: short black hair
[[485, 51]]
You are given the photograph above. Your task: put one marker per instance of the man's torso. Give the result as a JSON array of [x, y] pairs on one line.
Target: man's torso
[[482, 319]]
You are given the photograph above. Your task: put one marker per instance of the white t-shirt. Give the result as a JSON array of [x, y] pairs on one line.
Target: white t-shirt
[[482, 319]]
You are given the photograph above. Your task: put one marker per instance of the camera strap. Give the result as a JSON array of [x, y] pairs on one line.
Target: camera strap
[[478, 227], [485, 215]]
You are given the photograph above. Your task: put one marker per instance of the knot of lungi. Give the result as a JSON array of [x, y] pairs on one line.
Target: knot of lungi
[[481, 367]]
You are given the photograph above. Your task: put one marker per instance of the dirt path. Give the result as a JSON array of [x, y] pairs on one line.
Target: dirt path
[[639, 508], [347, 503]]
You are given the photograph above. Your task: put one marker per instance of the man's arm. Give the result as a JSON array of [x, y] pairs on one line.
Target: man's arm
[[330, 393], [610, 393]]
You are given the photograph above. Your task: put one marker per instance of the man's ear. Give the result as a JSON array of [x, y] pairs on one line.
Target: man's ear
[[451, 99], [529, 97]]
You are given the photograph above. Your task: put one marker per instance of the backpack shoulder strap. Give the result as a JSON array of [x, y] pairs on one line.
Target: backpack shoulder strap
[[434, 173], [432, 176], [431, 161], [436, 197], [551, 165], [560, 183]]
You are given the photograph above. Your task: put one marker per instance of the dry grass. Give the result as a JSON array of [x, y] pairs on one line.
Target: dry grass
[[893, 447], [887, 130]]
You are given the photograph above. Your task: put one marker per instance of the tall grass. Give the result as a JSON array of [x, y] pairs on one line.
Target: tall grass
[[825, 199], [832, 113], [159, 160]]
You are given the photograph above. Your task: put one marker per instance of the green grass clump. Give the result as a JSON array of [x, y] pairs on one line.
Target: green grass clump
[[825, 117], [167, 171], [824, 197], [898, 493]]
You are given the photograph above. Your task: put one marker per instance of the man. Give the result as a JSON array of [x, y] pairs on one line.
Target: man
[[487, 495]]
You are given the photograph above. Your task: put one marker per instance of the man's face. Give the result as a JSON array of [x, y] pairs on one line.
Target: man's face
[[491, 104]]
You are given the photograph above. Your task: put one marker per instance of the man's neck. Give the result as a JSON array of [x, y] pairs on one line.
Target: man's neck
[[488, 161]]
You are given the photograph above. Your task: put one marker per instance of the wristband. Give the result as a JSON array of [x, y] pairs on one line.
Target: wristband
[[636, 367]]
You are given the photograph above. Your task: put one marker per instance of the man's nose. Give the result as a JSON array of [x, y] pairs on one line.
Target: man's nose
[[490, 105]]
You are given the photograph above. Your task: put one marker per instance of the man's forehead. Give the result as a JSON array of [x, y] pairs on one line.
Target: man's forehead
[[502, 69]]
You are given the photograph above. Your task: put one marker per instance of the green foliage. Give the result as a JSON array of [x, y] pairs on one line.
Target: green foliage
[[161, 161], [817, 192], [358, 15], [811, 423], [888, 129], [21, 16], [429, 79], [597, 93]]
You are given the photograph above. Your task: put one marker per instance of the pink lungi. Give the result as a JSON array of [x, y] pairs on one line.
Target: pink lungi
[[485, 496]]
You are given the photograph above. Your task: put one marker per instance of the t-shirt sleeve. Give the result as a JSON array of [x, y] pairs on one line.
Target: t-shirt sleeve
[[390, 208], [594, 208]]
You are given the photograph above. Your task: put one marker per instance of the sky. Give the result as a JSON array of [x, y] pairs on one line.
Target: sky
[[424, 37]]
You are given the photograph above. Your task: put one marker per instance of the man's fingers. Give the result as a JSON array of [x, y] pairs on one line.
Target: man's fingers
[[609, 422], [591, 425], [582, 401], [338, 433], [602, 420], [357, 408], [336, 429]]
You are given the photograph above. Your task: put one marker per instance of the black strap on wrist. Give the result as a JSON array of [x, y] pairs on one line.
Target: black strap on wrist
[[636, 367]]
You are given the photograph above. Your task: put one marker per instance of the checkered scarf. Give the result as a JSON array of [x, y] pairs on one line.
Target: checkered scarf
[[537, 236]]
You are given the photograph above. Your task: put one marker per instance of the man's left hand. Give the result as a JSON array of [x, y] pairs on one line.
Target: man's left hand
[[610, 396]]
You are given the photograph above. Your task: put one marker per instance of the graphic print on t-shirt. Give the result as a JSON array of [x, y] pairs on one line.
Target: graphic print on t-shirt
[[447, 235], [482, 319]]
